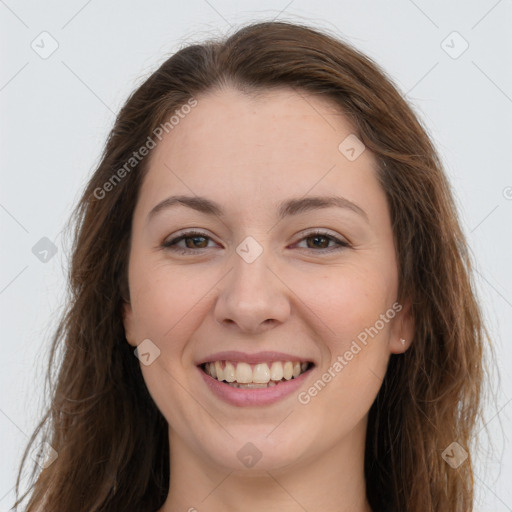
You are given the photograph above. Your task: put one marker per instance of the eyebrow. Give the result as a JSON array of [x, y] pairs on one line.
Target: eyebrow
[[294, 206]]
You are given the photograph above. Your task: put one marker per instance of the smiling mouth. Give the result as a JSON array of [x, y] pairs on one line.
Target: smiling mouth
[[251, 376]]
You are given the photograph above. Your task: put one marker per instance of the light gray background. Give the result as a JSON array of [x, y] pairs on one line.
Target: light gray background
[[56, 113]]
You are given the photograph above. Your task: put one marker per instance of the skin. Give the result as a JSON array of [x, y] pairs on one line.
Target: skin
[[248, 154]]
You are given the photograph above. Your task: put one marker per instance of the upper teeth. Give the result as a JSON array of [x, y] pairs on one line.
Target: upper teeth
[[260, 373]]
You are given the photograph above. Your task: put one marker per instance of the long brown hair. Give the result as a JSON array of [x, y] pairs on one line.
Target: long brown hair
[[112, 441]]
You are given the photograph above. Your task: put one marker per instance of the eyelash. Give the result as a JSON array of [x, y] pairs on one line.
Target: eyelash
[[171, 244]]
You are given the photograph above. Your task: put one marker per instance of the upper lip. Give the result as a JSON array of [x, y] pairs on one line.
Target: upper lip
[[254, 358]]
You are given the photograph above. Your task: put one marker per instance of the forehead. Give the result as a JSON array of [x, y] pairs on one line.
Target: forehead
[[276, 125], [277, 144]]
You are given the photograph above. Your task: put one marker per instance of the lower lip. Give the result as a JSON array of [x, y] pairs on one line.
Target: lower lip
[[253, 397]]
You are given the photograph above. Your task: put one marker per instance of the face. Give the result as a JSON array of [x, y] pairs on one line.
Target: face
[[260, 291]]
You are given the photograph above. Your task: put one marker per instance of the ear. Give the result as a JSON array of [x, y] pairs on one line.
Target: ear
[[402, 332], [128, 322]]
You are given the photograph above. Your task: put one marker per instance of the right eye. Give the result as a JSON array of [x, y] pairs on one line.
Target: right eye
[[195, 237]]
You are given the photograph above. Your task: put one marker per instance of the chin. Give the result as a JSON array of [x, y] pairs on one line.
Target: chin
[[253, 449]]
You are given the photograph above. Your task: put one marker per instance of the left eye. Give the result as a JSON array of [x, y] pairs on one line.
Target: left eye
[[200, 240], [319, 235]]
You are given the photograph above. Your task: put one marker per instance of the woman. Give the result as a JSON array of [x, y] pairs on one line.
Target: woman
[[272, 303]]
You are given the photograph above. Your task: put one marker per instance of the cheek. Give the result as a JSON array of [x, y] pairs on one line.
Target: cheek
[[356, 350], [345, 301], [169, 303], [351, 303]]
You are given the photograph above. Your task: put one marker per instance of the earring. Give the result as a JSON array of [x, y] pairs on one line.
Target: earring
[[402, 341]]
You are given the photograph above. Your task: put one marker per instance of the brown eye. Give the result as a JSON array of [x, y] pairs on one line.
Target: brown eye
[[193, 241], [320, 240]]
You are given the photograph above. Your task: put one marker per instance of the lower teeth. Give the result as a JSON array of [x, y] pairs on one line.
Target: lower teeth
[[253, 385]]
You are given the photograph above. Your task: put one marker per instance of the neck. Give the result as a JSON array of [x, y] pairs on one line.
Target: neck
[[333, 480]]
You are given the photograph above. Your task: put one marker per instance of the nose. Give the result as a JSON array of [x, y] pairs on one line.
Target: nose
[[252, 298]]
